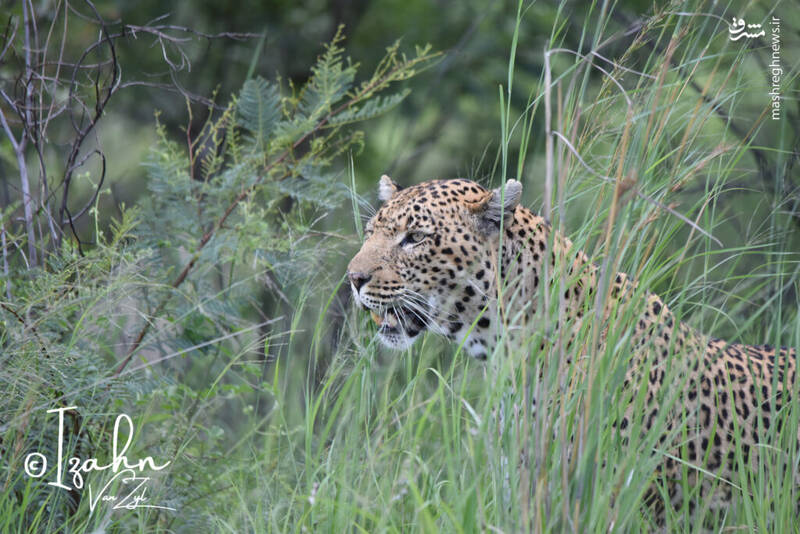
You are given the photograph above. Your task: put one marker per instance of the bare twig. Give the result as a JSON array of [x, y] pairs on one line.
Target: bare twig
[[159, 31], [101, 100], [96, 193], [199, 99], [8, 39], [51, 86], [5, 259], [21, 145]]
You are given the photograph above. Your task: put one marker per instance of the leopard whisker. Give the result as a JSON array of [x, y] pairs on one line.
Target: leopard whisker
[[430, 309]]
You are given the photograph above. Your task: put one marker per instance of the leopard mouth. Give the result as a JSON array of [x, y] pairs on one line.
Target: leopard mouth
[[398, 326]]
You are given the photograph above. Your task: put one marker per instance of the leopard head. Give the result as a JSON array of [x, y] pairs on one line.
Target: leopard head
[[429, 260]]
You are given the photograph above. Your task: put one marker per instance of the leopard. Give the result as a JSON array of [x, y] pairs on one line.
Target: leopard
[[454, 258]]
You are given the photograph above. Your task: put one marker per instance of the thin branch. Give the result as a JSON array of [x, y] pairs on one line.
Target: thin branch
[[27, 326], [159, 31], [10, 27], [45, 196], [91, 201], [49, 85], [5, 259], [25, 112], [101, 99], [170, 88], [71, 222], [6, 127], [56, 78]]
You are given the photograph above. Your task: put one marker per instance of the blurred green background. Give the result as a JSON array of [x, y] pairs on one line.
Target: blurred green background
[[448, 127]]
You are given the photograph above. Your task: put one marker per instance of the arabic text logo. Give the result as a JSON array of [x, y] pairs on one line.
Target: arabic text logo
[[737, 30]]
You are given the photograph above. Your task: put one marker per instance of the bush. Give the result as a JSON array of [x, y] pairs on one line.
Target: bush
[[166, 316]]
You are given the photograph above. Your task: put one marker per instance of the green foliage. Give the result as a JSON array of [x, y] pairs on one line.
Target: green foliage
[[258, 109], [330, 82], [166, 316]]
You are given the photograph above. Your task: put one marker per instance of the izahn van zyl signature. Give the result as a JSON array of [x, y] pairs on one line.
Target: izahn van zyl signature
[[127, 482]]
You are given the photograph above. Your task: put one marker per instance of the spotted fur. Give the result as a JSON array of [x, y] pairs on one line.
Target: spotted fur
[[435, 254]]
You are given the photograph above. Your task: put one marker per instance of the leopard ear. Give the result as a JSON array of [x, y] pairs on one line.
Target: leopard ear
[[387, 188], [496, 203]]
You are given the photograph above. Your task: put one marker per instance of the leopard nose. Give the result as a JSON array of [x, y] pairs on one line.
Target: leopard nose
[[358, 279]]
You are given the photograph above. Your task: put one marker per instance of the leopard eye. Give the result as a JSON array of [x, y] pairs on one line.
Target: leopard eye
[[413, 238]]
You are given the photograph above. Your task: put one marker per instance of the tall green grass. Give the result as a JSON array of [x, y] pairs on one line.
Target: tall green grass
[[643, 175]]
